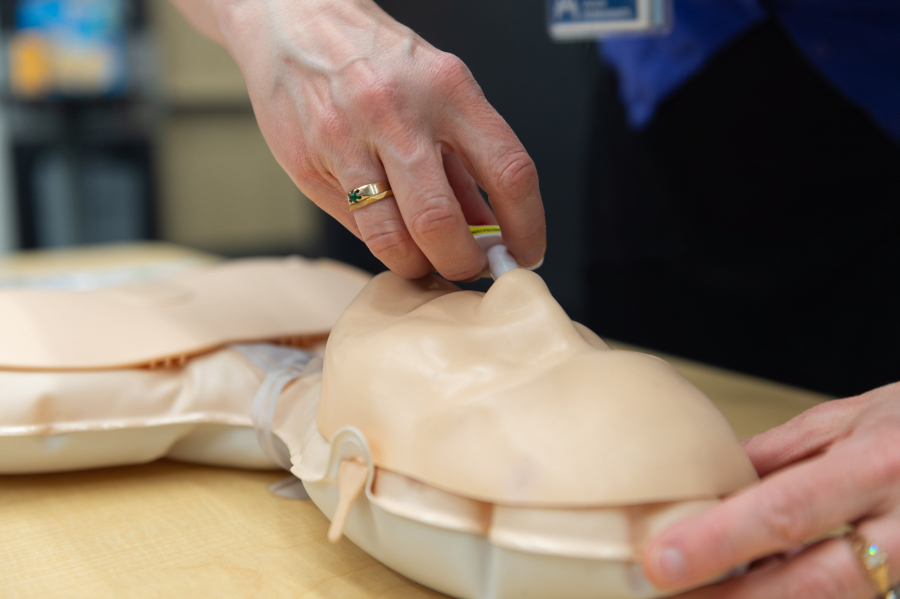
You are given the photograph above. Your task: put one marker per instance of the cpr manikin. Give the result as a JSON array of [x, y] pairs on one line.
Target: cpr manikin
[[481, 444], [503, 450]]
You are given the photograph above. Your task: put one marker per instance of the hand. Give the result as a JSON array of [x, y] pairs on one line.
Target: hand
[[836, 463], [346, 96]]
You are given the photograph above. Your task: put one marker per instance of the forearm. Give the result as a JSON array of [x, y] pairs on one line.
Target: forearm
[[228, 22]]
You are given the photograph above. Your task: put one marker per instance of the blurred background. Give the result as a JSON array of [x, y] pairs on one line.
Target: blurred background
[[119, 122]]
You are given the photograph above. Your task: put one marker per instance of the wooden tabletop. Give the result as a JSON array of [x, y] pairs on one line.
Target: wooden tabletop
[[174, 530]]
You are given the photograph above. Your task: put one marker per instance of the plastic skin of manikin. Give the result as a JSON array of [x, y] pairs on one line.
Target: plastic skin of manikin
[[482, 444], [488, 447]]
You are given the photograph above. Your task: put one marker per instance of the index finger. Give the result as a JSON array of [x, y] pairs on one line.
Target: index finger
[[431, 211], [499, 163], [802, 436], [780, 513]]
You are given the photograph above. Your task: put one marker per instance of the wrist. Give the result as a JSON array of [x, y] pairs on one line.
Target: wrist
[[322, 34], [235, 19]]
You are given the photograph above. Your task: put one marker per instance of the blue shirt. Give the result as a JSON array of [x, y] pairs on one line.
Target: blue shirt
[[854, 43]]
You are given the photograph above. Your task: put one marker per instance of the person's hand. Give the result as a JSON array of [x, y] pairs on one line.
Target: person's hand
[[346, 96], [834, 464]]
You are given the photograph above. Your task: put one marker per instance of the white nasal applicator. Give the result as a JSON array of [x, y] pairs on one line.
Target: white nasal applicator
[[500, 260]]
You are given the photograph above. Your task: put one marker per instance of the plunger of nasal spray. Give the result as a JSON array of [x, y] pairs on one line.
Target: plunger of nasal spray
[[499, 259]]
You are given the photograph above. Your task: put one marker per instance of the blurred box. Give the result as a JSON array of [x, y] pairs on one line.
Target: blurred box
[[223, 191], [220, 188], [193, 69], [68, 48]]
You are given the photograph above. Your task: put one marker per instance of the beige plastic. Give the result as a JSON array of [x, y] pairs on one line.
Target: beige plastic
[[499, 397], [464, 547], [68, 404], [164, 323], [510, 452], [481, 444], [57, 421]]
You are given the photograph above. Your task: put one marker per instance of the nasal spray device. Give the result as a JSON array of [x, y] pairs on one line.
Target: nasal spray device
[[499, 259]]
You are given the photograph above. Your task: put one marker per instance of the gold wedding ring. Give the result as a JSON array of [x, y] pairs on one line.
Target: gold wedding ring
[[368, 194], [875, 560]]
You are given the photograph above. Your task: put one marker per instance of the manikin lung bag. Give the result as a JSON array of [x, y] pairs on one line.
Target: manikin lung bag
[[483, 445], [131, 374]]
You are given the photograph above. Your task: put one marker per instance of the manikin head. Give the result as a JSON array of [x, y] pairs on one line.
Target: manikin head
[[501, 397]]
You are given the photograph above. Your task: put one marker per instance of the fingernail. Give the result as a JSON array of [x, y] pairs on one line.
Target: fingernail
[[670, 563], [533, 256]]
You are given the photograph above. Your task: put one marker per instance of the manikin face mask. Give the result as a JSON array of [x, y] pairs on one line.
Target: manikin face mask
[[481, 444], [508, 451]]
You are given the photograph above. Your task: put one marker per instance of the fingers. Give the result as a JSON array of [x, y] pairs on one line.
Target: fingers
[[328, 194], [804, 436], [780, 513], [382, 228], [442, 231], [433, 216], [381, 225], [824, 571], [827, 570], [475, 209], [492, 153]]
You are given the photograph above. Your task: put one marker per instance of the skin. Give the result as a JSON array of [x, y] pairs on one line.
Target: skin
[[834, 464], [346, 96]]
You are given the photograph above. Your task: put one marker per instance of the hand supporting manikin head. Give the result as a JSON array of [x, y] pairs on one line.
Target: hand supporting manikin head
[[500, 397]]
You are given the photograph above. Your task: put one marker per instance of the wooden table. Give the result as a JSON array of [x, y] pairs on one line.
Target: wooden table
[[173, 530]]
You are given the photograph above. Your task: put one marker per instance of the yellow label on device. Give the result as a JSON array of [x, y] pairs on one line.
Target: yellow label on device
[[482, 229]]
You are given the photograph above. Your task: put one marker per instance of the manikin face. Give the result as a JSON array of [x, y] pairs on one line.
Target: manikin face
[[501, 397]]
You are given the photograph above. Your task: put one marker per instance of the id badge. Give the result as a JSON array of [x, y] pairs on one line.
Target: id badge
[[579, 20]]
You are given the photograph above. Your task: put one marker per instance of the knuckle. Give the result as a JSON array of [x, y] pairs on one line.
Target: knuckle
[[365, 77], [883, 461], [406, 147], [437, 215], [785, 517], [451, 73], [378, 96], [515, 171], [387, 243], [329, 124], [304, 170], [412, 149], [371, 91], [451, 66], [396, 249], [303, 166]]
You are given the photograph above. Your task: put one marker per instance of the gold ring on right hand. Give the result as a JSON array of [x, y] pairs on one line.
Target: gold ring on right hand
[[875, 561], [369, 194]]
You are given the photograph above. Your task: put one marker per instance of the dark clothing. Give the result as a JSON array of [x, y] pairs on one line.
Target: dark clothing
[[754, 223], [853, 43]]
